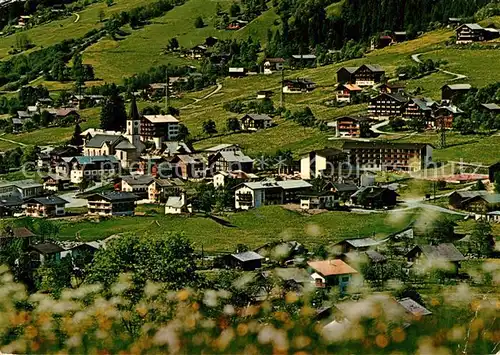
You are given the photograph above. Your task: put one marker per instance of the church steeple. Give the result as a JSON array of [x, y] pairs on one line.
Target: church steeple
[[134, 111]]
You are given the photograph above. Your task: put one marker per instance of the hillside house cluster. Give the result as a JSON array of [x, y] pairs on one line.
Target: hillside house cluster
[[388, 39], [481, 204], [473, 32]]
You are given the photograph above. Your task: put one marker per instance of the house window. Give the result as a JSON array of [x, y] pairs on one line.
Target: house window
[[345, 278]]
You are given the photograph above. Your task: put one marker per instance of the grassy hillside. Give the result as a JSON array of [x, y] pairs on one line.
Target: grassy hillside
[[274, 223], [143, 48], [56, 31]]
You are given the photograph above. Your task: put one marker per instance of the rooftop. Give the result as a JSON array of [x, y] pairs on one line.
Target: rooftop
[[258, 117], [98, 140], [138, 179], [161, 119], [115, 196], [458, 86], [332, 267], [174, 202], [47, 248], [446, 251], [492, 107], [247, 256], [48, 200], [413, 307], [362, 242]]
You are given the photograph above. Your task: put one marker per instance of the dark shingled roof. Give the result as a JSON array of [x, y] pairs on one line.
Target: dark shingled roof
[[48, 200], [99, 139], [115, 196], [47, 248], [446, 251]]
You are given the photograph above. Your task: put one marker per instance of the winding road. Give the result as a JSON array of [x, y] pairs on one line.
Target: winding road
[[416, 59], [217, 89]]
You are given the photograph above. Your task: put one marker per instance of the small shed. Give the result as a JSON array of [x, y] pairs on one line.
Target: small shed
[[248, 260]]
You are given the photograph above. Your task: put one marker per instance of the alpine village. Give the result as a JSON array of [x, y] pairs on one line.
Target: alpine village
[[250, 176]]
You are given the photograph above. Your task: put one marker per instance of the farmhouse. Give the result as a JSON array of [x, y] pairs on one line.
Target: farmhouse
[[346, 75], [254, 122], [255, 194], [159, 128], [346, 92], [359, 244], [445, 115], [348, 126], [44, 252], [10, 205], [435, 253], [457, 198], [391, 88], [374, 197], [112, 204], [318, 200], [197, 52], [330, 273], [50, 206], [469, 32], [452, 91], [230, 161], [298, 86], [55, 182], [491, 108], [365, 75], [160, 189], [273, 64], [387, 105], [482, 204]]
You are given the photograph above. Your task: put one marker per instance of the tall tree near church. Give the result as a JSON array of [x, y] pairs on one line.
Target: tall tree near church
[[113, 113]]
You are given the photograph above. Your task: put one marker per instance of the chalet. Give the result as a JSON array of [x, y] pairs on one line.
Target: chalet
[[386, 105], [255, 194], [318, 200], [346, 92], [160, 189], [391, 88], [82, 101], [211, 41], [380, 156], [65, 112], [221, 178], [346, 75], [491, 33], [331, 273], [482, 204], [457, 198], [469, 33], [10, 206], [374, 197], [50, 206], [344, 190], [236, 25], [81, 249], [303, 61], [435, 253], [348, 126], [382, 41], [159, 128], [237, 72], [22, 189], [491, 108], [248, 260], [369, 75], [44, 252], [297, 86], [359, 244], [90, 167], [44, 102], [453, 91], [273, 64], [112, 204], [156, 89], [231, 161], [189, 166], [324, 162], [137, 184], [264, 94], [23, 20], [254, 122], [418, 109], [176, 204], [197, 52], [444, 116], [55, 182], [9, 234]]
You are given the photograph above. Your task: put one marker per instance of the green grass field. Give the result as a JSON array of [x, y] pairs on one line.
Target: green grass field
[[56, 31], [252, 228]]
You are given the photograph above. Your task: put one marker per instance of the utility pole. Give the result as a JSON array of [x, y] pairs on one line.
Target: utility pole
[[167, 92], [282, 96]]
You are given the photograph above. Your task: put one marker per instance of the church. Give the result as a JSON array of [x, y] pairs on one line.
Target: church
[[125, 147]]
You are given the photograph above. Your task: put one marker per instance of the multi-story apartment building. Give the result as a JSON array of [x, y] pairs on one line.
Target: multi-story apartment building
[[159, 128], [386, 105]]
